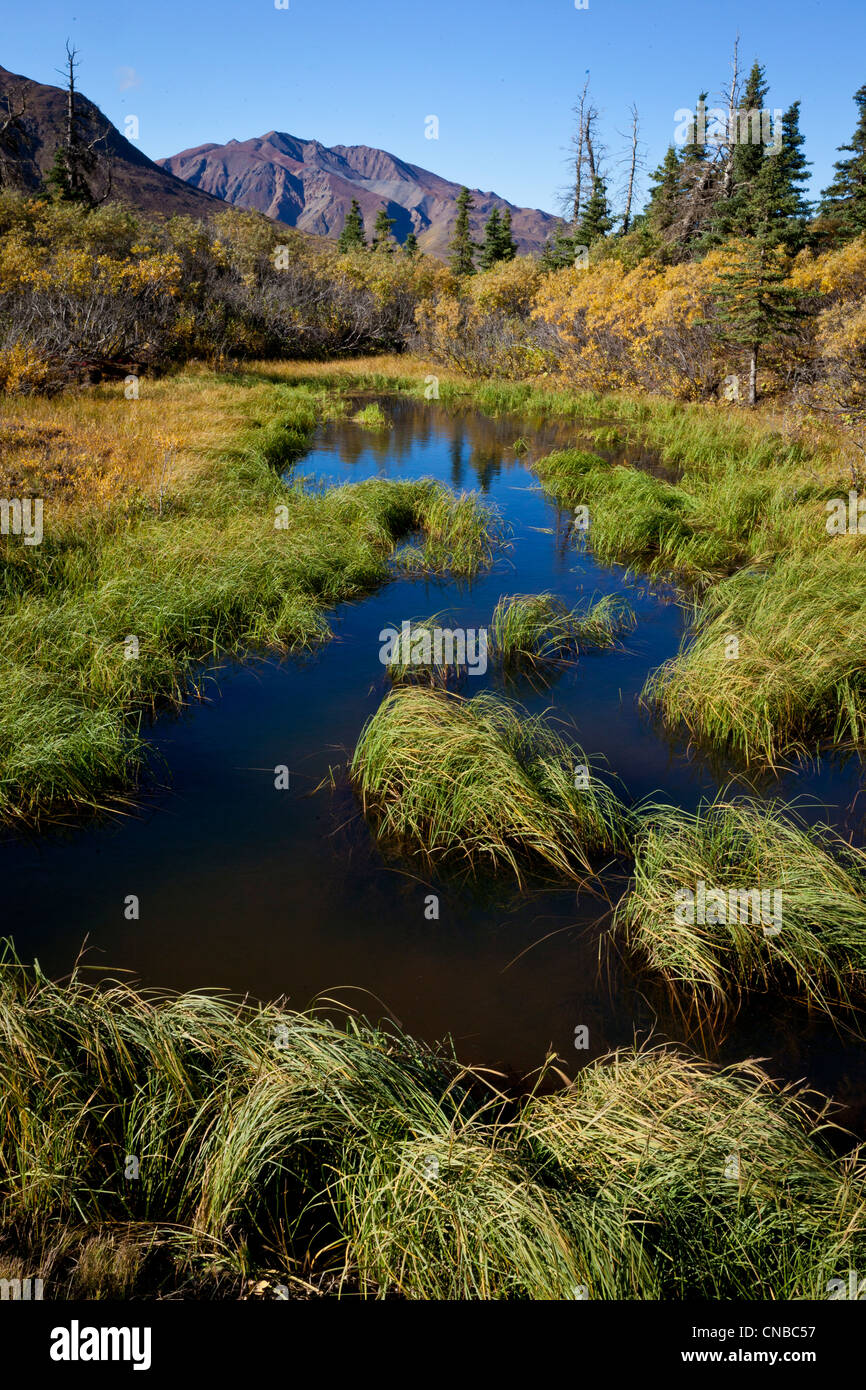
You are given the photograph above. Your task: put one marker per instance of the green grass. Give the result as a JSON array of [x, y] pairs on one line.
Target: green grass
[[648, 1140], [698, 436], [481, 782], [819, 952], [461, 533], [526, 630], [800, 670], [750, 538], [538, 628], [233, 560], [635, 519], [409, 667], [354, 1161], [372, 417]]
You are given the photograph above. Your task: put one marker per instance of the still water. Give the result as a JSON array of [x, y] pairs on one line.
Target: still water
[[263, 892]]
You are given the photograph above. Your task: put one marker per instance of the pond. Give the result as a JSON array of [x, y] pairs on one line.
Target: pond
[[269, 892]]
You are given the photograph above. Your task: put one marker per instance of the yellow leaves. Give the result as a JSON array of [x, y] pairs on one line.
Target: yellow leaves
[[76, 270], [19, 264], [841, 273], [388, 276], [638, 328], [509, 287], [21, 369]]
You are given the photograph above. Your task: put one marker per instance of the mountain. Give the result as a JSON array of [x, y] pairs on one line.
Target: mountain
[[134, 178], [307, 185]]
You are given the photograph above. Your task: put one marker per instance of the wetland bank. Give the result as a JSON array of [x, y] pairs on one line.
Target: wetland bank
[[553, 943]]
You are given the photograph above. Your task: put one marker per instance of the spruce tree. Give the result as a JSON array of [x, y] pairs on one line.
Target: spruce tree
[[382, 240], [559, 251], [352, 236], [754, 303], [463, 248], [698, 188], [507, 244], [76, 160], [736, 215], [779, 209], [664, 194], [596, 221], [410, 246], [844, 202], [491, 250]]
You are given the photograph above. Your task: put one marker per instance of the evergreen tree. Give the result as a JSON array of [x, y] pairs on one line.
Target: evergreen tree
[[844, 202], [749, 149], [596, 221], [699, 186], [560, 251], [410, 246], [507, 244], [779, 210], [76, 161], [754, 303], [664, 195], [352, 236], [463, 248], [382, 240], [684, 190], [491, 250]]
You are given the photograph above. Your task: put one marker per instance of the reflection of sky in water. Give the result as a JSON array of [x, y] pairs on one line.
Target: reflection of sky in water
[[254, 890]]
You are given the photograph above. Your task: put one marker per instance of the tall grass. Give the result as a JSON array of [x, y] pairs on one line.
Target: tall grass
[[481, 782], [636, 519], [798, 672], [361, 1162], [817, 949], [539, 628], [461, 533], [444, 667], [718, 1185], [372, 417]]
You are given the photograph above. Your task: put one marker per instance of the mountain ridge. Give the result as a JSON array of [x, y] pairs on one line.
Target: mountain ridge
[[306, 184], [299, 182]]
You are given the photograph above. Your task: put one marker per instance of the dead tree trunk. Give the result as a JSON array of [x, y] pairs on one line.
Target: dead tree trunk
[[626, 217]]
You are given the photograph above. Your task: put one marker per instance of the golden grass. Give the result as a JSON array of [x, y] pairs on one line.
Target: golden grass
[[92, 447]]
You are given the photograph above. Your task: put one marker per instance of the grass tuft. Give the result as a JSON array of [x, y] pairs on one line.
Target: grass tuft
[[482, 782], [539, 628], [816, 947]]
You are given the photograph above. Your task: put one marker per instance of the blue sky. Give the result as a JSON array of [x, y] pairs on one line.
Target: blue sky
[[501, 75]]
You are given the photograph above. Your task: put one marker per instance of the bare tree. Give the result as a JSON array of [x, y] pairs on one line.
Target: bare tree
[[578, 140], [733, 95], [585, 155], [632, 159], [79, 157], [12, 130]]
